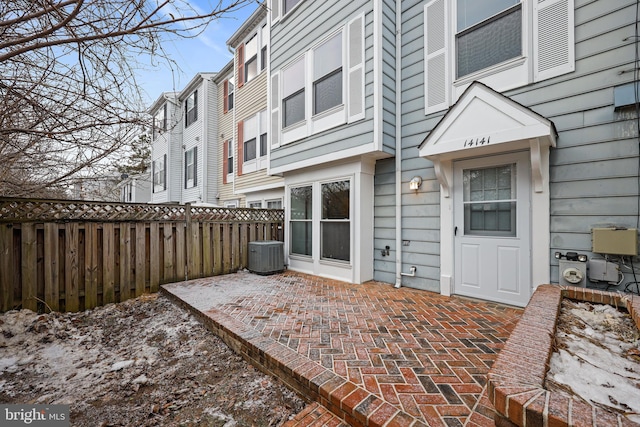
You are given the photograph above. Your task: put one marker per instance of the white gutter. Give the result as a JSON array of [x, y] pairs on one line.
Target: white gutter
[[398, 144]]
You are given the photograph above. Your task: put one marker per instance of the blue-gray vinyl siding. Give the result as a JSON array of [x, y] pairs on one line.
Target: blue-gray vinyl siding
[[594, 168], [297, 33], [388, 47]]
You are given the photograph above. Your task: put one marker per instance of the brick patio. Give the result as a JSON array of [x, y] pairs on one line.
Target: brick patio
[[368, 355]]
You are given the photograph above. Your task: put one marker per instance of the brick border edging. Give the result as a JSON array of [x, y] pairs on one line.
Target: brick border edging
[[516, 379], [313, 382]]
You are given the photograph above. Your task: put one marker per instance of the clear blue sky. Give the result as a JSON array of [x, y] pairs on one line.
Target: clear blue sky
[[207, 52]]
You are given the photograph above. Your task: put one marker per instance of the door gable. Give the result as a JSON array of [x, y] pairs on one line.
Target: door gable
[[484, 121]]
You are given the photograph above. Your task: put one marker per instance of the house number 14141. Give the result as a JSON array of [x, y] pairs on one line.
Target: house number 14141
[[474, 142]]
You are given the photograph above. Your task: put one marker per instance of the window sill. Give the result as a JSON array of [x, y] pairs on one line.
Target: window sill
[[301, 257], [336, 263], [503, 66]]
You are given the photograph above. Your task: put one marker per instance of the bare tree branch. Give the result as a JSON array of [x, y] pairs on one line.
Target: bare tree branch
[[68, 93]]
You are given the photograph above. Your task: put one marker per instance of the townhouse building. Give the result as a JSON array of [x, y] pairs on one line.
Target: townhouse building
[[245, 100], [184, 144], [135, 188], [453, 147], [226, 139]]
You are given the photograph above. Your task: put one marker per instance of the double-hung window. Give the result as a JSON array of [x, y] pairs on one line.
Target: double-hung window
[[263, 49], [250, 134], [505, 44], [289, 5], [293, 99], [191, 108], [327, 75], [230, 158], [191, 168], [231, 87], [335, 223], [301, 227], [160, 122], [263, 133], [251, 63], [254, 142], [488, 33], [159, 175], [322, 88]]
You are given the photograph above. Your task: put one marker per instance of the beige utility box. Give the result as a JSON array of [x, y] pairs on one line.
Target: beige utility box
[[614, 241]]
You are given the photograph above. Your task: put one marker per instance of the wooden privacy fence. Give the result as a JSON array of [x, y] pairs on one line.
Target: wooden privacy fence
[[74, 255]]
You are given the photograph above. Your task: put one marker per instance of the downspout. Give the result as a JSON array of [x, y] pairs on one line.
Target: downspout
[[205, 140], [398, 159], [233, 120]]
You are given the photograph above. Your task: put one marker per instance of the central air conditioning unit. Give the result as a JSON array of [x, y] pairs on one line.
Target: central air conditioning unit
[[266, 257]]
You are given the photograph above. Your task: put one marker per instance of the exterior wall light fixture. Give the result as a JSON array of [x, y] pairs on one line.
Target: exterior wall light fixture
[[415, 183]]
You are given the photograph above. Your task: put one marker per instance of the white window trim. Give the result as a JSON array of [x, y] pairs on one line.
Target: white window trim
[[316, 221], [278, 199], [260, 43], [232, 203], [191, 181], [510, 74], [283, 16], [159, 186], [329, 261], [260, 161], [230, 150], [331, 118], [520, 63]]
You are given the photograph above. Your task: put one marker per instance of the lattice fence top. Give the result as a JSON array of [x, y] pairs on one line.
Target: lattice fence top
[[38, 210]]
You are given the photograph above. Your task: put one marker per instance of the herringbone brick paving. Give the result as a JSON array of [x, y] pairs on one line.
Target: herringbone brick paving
[[424, 354]]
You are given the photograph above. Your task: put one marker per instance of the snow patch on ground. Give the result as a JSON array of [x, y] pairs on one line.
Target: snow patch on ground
[[597, 357]]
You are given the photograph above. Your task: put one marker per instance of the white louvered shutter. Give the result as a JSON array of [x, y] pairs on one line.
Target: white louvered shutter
[[275, 11], [274, 133], [553, 38], [355, 69], [436, 59]]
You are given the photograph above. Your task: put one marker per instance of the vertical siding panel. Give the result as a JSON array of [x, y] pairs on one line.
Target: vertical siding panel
[[91, 266], [169, 253], [226, 248], [28, 267], [155, 262], [125, 261], [207, 260], [109, 261], [181, 260], [140, 258], [51, 263], [218, 267], [71, 268]]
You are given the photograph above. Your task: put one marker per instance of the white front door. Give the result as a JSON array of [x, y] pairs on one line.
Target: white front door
[[492, 259]]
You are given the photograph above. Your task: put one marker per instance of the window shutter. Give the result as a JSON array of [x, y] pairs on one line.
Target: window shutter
[[225, 94], [553, 38], [195, 105], [275, 11], [240, 147], [195, 166], [241, 65], [355, 67], [436, 60], [225, 161], [185, 169], [164, 172], [274, 135]]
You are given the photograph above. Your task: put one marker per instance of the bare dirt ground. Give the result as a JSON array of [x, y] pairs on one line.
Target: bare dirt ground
[[144, 362]]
